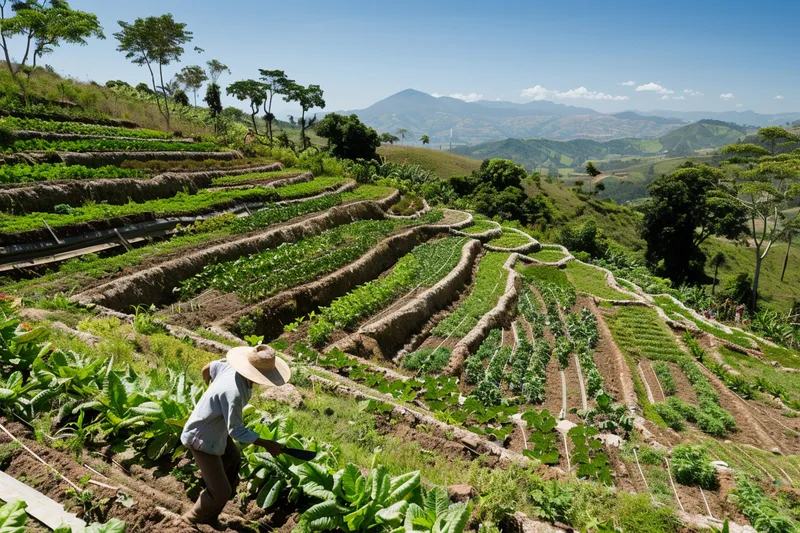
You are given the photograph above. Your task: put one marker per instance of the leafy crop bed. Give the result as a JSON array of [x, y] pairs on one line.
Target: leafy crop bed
[[640, 332], [59, 171], [32, 124], [309, 188], [548, 256], [671, 307], [264, 274], [423, 267], [246, 178], [490, 284], [110, 145]]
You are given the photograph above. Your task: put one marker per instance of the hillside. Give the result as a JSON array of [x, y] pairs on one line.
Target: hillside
[[477, 122], [443, 164], [553, 155]]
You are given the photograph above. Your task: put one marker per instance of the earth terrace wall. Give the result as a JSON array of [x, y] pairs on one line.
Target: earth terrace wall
[[272, 314], [532, 247], [101, 159], [485, 236], [23, 135], [44, 195], [500, 315], [393, 330], [55, 117], [155, 285]]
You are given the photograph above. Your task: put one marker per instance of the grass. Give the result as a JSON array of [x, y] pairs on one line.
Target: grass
[[592, 281], [548, 255], [309, 188], [773, 293], [675, 310], [489, 285], [510, 239], [480, 226], [443, 164], [340, 420], [367, 192], [751, 368]]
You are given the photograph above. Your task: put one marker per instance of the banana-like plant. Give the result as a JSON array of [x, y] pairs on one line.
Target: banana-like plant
[[268, 476], [360, 503], [20, 345]]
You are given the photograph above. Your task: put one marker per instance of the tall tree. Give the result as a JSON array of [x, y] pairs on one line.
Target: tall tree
[[772, 135], [389, 138], [592, 170], [684, 210], [251, 90], [765, 186], [348, 137], [402, 132], [192, 77], [425, 140], [155, 42], [44, 25], [309, 98], [717, 261], [216, 69], [276, 83], [790, 229]]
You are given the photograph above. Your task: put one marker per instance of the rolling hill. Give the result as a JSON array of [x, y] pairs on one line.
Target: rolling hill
[[483, 121], [553, 154], [443, 164]]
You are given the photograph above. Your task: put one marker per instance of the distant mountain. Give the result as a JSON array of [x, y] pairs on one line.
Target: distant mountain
[[547, 153], [477, 122], [631, 115], [749, 118]]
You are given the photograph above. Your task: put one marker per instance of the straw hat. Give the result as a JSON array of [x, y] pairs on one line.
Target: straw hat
[[260, 365]]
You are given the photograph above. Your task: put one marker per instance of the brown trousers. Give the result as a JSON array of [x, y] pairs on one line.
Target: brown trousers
[[221, 476]]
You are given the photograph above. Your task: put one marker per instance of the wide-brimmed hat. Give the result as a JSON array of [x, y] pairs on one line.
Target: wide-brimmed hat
[[260, 365]]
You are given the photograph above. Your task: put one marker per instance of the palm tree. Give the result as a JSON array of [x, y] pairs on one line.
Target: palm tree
[[402, 132], [717, 261], [425, 140]]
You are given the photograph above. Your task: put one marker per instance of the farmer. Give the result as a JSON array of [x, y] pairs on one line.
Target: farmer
[[216, 423]]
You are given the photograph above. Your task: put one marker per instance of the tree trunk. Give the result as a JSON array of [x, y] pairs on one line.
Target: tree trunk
[[756, 276], [164, 91], [714, 286], [303, 129], [786, 258]]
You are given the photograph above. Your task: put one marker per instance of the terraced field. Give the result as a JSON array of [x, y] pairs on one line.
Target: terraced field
[[464, 350]]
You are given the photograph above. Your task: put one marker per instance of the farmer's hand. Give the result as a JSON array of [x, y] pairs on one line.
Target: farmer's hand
[[273, 448]]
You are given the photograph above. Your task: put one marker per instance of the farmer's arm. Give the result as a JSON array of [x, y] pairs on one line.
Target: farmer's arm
[[207, 373], [240, 433]]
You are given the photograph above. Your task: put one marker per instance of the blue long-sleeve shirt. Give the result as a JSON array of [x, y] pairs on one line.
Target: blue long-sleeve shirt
[[219, 412]]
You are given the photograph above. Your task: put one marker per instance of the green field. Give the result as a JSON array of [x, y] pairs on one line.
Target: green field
[[443, 164]]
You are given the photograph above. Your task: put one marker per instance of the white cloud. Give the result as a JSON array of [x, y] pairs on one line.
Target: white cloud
[[726, 96], [665, 97], [627, 83], [469, 97], [536, 93], [679, 98], [779, 97], [581, 93], [738, 105], [692, 92], [654, 87]]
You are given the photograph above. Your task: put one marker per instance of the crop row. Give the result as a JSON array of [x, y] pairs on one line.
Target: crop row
[[480, 226], [309, 188], [109, 145], [34, 124], [246, 178], [424, 266], [670, 307], [582, 328], [639, 332], [440, 394], [182, 204], [489, 285], [90, 400], [266, 273], [474, 365], [529, 308], [23, 173]]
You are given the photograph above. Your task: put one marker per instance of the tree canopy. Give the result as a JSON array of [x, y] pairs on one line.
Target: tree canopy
[[154, 42], [309, 98], [275, 82], [192, 77], [686, 208], [348, 137], [252, 91]]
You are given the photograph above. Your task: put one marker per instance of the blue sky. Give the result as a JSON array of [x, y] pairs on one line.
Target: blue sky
[[682, 55]]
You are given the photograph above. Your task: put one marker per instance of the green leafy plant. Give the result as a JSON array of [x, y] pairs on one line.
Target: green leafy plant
[[544, 438], [691, 465]]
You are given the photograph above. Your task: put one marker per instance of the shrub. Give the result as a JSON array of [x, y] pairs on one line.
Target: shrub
[[670, 415], [691, 465]]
